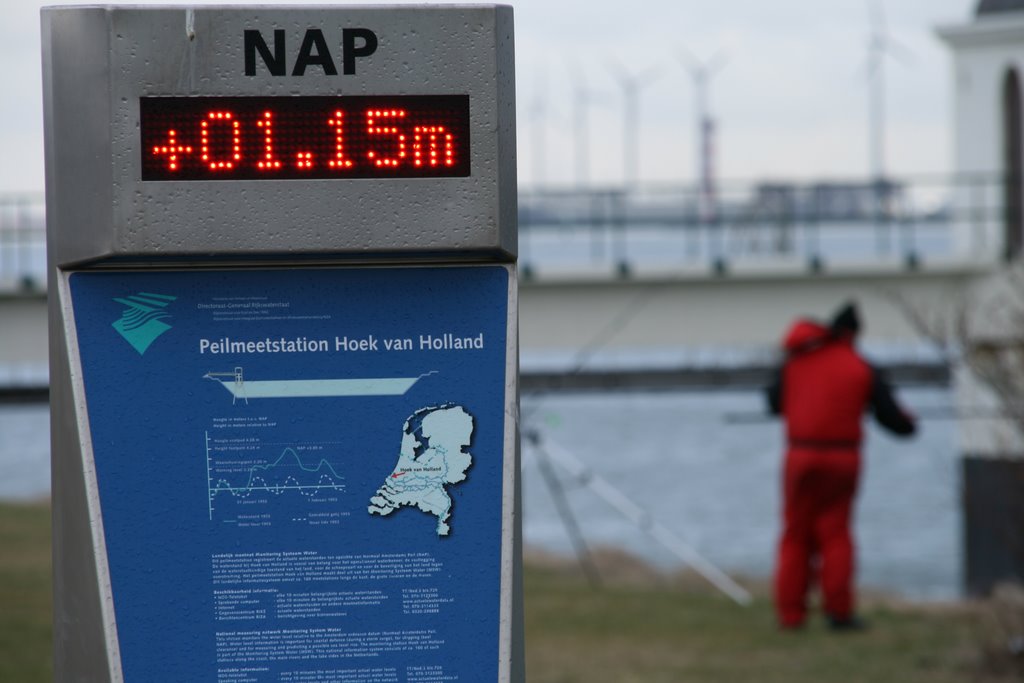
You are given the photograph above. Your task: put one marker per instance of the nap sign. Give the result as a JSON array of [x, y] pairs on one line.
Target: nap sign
[[282, 250]]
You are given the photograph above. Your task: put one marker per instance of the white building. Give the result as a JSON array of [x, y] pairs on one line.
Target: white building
[[988, 64], [988, 59]]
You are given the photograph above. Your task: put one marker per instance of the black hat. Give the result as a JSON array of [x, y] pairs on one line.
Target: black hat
[[846, 319]]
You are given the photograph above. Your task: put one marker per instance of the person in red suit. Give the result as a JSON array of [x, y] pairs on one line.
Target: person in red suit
[[822, 391]]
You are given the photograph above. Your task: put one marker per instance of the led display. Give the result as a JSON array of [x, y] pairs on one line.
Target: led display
[[293, 138]]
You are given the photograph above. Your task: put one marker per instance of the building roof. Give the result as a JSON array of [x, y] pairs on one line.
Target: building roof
[[994, 6]]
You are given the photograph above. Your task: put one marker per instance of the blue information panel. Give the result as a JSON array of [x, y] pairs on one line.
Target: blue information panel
[[300, 472]]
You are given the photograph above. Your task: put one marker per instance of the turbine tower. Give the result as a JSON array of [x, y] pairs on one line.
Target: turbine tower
[[632, 85], [702, 72], [582, 97], [538, 116], [880, 46]]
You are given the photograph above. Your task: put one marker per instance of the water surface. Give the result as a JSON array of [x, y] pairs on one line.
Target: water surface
[[715, 484]]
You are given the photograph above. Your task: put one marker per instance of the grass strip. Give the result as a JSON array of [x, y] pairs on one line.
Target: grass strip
[[26, 598], [640, 626]]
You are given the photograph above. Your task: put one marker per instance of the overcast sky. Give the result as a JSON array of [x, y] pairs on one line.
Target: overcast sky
[[791, 100]]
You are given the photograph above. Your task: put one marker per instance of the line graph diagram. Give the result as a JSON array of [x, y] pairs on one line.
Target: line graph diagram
[[243, 476]]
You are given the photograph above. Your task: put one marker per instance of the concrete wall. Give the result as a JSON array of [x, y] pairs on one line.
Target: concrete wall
[[652, 313], [23, 338], [734, 312]]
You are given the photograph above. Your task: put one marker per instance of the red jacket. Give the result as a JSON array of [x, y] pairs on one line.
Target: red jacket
[[824, 387]]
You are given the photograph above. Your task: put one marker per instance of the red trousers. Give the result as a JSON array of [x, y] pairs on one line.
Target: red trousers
[[819, 488]]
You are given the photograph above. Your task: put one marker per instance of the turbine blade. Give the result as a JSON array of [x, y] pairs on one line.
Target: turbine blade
[[689, 60], [901, 53], [645, 78], [716, 62], [876, 17]]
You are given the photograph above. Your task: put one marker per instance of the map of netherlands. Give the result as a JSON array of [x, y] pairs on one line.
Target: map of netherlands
[[432, 455]]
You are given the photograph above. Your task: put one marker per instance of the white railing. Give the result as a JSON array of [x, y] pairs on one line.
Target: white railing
[[912, 221], [909, 221]]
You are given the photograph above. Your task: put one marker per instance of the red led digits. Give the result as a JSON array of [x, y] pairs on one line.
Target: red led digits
[[337, 123], [268, 162], [432, 145], [172, 149], [304, 137], [373, 116], [235, 152]]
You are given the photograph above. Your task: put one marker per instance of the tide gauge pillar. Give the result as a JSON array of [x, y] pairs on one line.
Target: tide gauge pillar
[[283, 318]]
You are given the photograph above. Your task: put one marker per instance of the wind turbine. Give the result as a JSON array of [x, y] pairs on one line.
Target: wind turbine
[[880, 46], [632, 85], [582, 97], [702, 72], [538, 116]]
